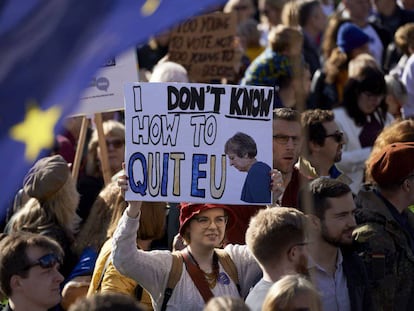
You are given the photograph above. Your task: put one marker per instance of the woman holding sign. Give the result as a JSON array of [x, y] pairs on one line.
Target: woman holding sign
[[204, 271], [242, 150]]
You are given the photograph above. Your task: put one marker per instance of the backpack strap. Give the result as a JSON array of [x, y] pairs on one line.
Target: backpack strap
[[197, 276], [228, 266], [173, 277]]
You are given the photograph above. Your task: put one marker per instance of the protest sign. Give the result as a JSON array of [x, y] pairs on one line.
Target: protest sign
[[175, 136], [206, 47], [105, 91]]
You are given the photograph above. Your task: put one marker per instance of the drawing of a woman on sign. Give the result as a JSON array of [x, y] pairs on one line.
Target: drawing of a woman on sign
[[241, 150]]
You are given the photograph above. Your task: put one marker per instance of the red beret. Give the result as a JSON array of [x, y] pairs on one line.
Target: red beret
[[189, 210], [393, 163]]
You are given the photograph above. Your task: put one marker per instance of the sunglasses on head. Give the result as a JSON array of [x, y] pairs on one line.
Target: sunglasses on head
[[338, 136], [46, 261]]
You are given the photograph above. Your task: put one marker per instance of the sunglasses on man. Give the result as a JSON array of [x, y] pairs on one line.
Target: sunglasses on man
[[46, 261]]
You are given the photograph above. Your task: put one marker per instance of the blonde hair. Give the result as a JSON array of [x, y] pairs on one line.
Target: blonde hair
[[357, 64], [281, 295], [404, 37], [60, 209], [226, 303], [282, 37], [290, 13], [110, 127]]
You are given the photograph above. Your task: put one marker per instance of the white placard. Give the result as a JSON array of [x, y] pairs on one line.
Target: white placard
[[105, 91], [175, 138]]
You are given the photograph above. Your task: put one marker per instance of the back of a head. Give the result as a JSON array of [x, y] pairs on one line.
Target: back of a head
[[107, 302], [281, 37], [168, 71], [404, 38], [226, 303], [289, 294], [282, 224], [357, 64]]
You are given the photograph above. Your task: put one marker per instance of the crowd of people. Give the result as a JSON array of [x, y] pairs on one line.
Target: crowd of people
[[339, 234]]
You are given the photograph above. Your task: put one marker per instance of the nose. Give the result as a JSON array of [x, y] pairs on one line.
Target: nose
[[290, 144], [58, 276]]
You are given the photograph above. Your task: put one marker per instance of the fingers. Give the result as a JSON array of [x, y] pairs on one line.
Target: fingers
[[276, 180]]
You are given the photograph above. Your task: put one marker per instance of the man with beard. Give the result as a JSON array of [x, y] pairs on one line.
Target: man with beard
[[386, 234], [287, 227], [335, 269], [287, 142], [323, 147]]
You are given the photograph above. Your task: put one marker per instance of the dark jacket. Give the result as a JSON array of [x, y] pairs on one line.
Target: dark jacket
[[357, 281], [386, 250]]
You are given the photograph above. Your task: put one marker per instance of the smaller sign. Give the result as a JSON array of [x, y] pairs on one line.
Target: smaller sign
[[206, 47]]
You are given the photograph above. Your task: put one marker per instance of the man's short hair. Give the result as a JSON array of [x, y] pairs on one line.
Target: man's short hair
[[287, 114], [312, 122], [318, 192], [107, 302], [282, 224], [13, 255]]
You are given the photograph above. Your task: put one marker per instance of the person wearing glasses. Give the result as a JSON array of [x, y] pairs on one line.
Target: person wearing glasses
[[323, 147], [241, 150], [335, 269], [287, 227], [287, 143], [92, 182], [385, 236], [361, 117], [29, 271], [203, 228]]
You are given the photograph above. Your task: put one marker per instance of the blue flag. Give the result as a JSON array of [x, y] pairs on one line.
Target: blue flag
[[49, 51]]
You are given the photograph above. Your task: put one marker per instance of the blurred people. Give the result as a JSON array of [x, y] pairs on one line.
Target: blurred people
[[361, 118], [105, 277], [270, 16], [313, 22], [323, 147], [407, 77], [107, 302], [92, 182], [167, 71], [386, 232], [224, 303], [244, 9], [241, 150], [29, 271], [328, 83], [337, 271], [292, 293], [51, 211], [396, 97], [287, 226]]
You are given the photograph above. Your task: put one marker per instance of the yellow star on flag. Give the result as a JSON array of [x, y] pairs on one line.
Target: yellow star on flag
[[149, 7], [36, 130]]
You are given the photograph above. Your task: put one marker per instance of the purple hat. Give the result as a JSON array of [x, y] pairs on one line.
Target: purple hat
[[351, 37]]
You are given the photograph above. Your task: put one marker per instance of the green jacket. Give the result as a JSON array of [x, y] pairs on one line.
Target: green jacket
[[386, 251]]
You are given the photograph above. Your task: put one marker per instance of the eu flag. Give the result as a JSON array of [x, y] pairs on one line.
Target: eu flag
[[49, 51]]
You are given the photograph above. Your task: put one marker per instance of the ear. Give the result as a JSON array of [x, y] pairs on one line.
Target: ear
[[15, 283], [314, 147]]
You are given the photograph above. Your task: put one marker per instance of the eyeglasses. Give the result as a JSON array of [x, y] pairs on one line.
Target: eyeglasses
[[284, 139], [338, 136], [116, 143], [205, 222], [46, 261]]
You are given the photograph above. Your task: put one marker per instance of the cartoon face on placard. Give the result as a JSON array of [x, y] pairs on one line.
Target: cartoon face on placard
[[198, 142]]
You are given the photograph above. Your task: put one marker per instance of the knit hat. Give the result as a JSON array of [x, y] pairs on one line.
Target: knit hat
[[189, 210], [350, 37], [46, 177], [393, 163]]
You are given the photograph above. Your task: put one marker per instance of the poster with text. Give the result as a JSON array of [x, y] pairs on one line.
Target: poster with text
[[204, 143], [105, 90]]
